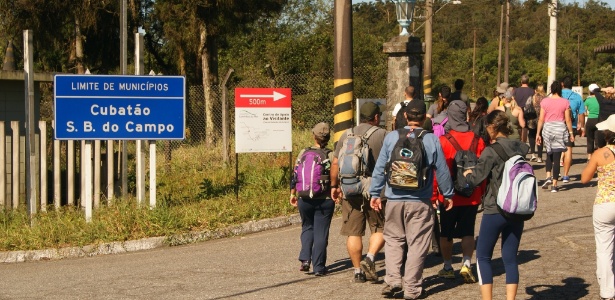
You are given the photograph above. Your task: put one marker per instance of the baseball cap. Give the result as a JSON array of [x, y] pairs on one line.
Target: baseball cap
[[321, 129], [608, 124], [369, 109], [593, 87], [416, 107]]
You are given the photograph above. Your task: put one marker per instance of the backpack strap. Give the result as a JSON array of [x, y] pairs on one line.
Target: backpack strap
[[369, 133], [499, 149], [453, 142], [474, 145]]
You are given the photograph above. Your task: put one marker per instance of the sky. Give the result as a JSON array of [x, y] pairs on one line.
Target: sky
[[611, 3]]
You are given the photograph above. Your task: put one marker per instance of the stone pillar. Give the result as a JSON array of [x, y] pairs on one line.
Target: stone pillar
[[405, 67]]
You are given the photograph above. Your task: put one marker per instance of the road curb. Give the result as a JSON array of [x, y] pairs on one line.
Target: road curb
[[148, 243]]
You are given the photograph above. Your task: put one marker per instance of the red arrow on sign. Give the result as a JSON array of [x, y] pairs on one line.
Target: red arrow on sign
[[262, 97]]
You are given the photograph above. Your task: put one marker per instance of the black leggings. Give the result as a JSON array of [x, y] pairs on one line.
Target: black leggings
[[590, 133], [531, 136], [553, 164]]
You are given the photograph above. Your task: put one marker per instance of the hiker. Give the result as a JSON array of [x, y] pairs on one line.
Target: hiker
[[459, 222], [555, 130], [592, 107], [532, 125], [498, 96], [408, 187], [355, 208], [316, 211], [521, 95], [607, 108], [437, 111], [458, 94], [604, 207], [477, 119], [577, 117], [399, 120], [493, 224], [514, 113]]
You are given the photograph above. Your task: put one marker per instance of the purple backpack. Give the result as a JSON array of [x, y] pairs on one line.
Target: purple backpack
[[516, 197], [312, 171], [438, 128]]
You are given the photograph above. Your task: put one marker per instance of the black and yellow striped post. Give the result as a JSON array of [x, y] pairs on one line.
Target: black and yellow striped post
[[342, 83]]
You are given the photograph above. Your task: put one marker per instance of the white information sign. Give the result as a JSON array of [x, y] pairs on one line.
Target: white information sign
[[263, 120]]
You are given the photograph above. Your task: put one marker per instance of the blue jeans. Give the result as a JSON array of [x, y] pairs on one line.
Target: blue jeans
[[490, 228], [316, 215]]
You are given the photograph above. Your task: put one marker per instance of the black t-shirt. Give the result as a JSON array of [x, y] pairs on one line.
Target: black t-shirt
[[521, 94]]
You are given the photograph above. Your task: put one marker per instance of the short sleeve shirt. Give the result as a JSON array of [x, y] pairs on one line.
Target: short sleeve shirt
[[521, 94], [555, 109], [576, 104], [593, 107], [398, 107], [433, 110]]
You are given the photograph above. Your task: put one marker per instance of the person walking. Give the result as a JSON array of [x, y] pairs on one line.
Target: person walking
[[532, 125], [592, 108], [607, 108], [458, 94], [521, 95], [316, 212], [398, 116], [409, 213], [514, 113], [498, 97], [493, 224], [555, 130], [477, 119], [603, 215], [459, 222], [356, 211], [577, 117]]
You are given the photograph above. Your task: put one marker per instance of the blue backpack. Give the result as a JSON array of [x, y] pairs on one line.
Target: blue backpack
[[312, 171], [516, 198]]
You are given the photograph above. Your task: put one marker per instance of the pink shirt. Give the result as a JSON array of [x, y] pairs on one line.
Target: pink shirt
[[555, 109]]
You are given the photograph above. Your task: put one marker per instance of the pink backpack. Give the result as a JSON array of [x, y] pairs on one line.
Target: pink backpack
[[438, 128]]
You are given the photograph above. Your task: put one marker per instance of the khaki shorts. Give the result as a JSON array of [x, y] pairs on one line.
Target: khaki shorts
[[355, 213]]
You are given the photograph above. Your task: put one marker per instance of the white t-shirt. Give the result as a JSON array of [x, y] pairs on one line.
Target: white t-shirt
[[398, 107]]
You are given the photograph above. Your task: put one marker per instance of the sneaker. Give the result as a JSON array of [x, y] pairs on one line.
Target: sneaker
[[533, 158], [447, 273], [466, 273], [391, 290], [423, 295], [545, 185], [554, 189], [566, 179], [305, 266], [320, 273], [369, 267], [359, 277], [539, 160]]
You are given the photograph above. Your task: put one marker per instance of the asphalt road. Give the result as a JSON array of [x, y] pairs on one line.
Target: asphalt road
[[557, 261]]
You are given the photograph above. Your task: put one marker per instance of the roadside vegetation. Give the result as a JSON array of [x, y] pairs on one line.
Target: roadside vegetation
[[196, 194]]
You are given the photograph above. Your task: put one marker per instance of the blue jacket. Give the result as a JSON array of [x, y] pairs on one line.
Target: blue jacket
[[576, 104], [436, 160]]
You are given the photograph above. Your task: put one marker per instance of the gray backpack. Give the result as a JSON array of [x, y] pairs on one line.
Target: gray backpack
[[353, 162]]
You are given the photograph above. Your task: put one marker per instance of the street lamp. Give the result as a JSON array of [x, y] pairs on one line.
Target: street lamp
[[431, 15], [405, 11]]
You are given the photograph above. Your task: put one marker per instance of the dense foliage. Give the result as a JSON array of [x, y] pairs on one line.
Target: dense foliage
[[200, 38]]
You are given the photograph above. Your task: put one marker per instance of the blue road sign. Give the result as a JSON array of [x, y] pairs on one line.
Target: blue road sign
[[101, 107]]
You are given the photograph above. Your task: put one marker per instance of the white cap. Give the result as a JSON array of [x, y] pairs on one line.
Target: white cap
[[592, 87], [608, 124]]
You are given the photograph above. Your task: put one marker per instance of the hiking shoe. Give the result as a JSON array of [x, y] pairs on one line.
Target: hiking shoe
[[391, 290], [423, 295], [466, 273], [554, 189], [369, 267], [305, 266], [566, 179], [359, 278], [447, 273], [545, 185]]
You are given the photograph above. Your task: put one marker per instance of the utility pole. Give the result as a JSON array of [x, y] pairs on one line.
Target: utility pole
[[506, 48], [552, 10], [123, 67], [428, 48], [474, 67], [500, 43], [579, 59], [342, 81]]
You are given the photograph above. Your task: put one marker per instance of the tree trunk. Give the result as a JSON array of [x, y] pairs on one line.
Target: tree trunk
[[208, 53], [78, 48]]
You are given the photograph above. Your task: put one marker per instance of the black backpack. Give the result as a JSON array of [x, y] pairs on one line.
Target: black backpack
[[407, 168], [464, 159]]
